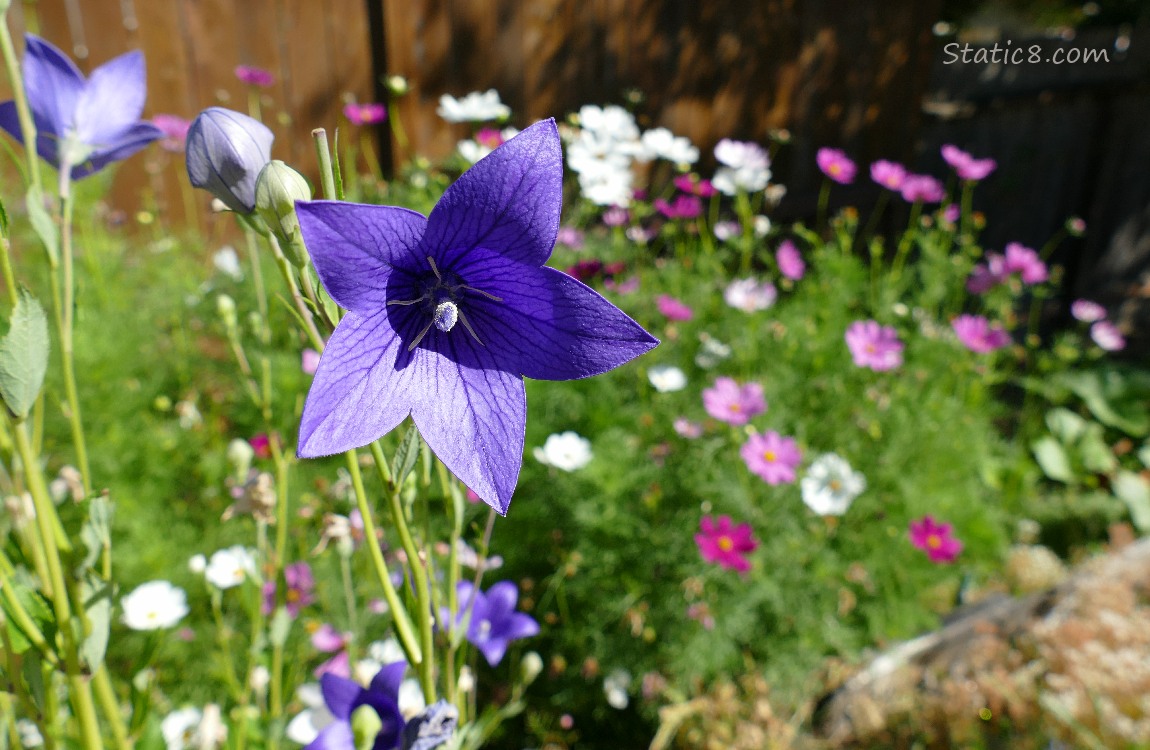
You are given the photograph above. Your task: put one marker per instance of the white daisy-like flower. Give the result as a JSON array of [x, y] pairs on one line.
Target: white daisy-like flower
[[475, 107], [29, 733], [611, 122], [179, 728], [762, 226], [749, 295], [831, 485], [667, 378], [565, 450], [154, 605], [660, 143], [229, 567], [711, 351], [729, 181], [410, 698], [227, 262], [307, 724], [197, 564], [615, 687]]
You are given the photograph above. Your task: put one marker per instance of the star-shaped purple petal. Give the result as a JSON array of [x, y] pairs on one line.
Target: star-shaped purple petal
[[494, 620]]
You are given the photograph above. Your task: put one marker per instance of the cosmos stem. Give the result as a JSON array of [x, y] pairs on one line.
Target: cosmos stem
[[23, 113]]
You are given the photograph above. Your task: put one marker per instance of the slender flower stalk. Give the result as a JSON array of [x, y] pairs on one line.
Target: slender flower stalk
[[67, 325]]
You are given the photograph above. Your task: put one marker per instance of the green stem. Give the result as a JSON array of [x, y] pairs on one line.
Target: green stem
[[301, 306], [824, 199], [265, 332], [20, 616], [23, 113], [904, 242], [323, 154], [110, 705], [67, 320], [6, 269]]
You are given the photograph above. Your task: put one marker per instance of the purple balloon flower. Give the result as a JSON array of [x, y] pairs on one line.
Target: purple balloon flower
[[343, 697], [447, 314], [494, 621], [83, 123]]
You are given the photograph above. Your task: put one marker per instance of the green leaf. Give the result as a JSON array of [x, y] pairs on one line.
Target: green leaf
[[1052, 458], [97, 530], [1144, 454], [3, 220], [1116, 398], [98, 606], [1134, 490], [24, 355], [1066, 425], [405, 455], [280, 627], [43, 225], [1097, 457], [38, 610]]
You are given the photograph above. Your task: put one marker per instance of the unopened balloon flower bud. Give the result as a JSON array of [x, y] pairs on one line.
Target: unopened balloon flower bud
[[530, 667], [225, 152], [278, 187], [226, 309], [397, 85]]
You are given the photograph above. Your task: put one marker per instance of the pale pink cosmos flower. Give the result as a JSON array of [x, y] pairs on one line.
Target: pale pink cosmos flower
[[790, 261], [309, 361], [750, 295], [1025, 262], [674, 309], [571, 237], [889, 174], [921, 188], [937, 540], [965, 165], [175, 131], [626, 286], [1086, 311], [616, 216], [729, 402], [978, 335], [1107, 336], [685, 428], [725, 230], [254, 76], [836, 165], [874, 346], [365, 114], [724, 543], [329, 640], [772, 457], [952, 213]]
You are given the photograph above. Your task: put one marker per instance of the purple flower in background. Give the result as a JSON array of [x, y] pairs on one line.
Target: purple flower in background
[[494, 621], [344, 697], [175, 130], [683, 207], [771, 456], [965, 165], [616, 216], [836, 165], [309, 361], [937, 540], [790, 261], [225, 153], [874, 346], [1087, 311], [1025, 262], [978, 335], [571, 237], [690, 183], [986, 276], [674, 309], [889, 174], [447, 314], [732, 403], [921, 188], [300, 589], [1107, 336], [254, 76], [750, 295], [82, 124], [952, 212], [328, 640], [365, 114], [685, 428]]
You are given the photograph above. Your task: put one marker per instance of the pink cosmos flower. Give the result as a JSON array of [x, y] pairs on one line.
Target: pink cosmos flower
[[175, 131], [921, 188], [365, 114], [309, 361], [491, 138], [471, 496], [683, 207], [616, 216], [329, 640], [255, 76], [952, 212], [627, 286], [726, 544], [836, 165], [690, 183], [790, 261], [874, 346], [571, 237], [261, 444], [965, 165], [935, 539], [300, 589], [1107, 336], [729, 402], [771, 456], [889, 174], [685, 428], [1086, 311], [750, 295], [986, 276], [674, 309], [1025, 262], [978, 335]]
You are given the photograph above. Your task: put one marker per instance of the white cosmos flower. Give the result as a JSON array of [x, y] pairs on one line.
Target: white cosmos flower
[[615, 687], [306, 725], [179, 728], [661, 143], [227, 262], [729, 180], [667, 378], [566, 450], [611, 122], [154, 605], [475, 107], [831, 485], [742, 155], [749, 295], [197, 564], [229, 567]]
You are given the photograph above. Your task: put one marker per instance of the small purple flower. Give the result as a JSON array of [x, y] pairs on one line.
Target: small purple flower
[[309, 361], [690, 183], [683, 207], [344, 697], [254, 76], [732, 403], [965, 165], [365, 114], [874, 346], [626, 286], [726, 230], [978, 335], [986, 276], [328, 640], [1107, 336], [616, 216], [1025, 262], [84, 124], [951, 213], [406, 280], [772, 457], [889, 174], [1087, 311], [674, 309], [836, 165], [571, 237], [685, 428], [300, 589], [494, 621], [225, 153], [790, 261], [750, 295], [175, 130], [921, 188]]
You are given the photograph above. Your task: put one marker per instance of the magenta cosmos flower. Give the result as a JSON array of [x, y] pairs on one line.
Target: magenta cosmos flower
[[1025, 262], [889, 174], [772, 457], [874, 346], [365, 114], [300, 589], [674, 309], [448, 313], [965, 165], [836, 165], [254, 76], [790, 261], [729, 402], [935, 539], [978, 335], [726, 544], [921, 188], [175, 130], [683, 207]]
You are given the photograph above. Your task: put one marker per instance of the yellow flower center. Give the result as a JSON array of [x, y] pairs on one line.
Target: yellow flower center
[[733, 408], [836, 485], [726, 544], [933, 541], [835, 169], [769, 456]]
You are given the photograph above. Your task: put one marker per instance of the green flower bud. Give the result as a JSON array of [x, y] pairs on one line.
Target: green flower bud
[[530, 667], [226, 308], [397, 85], [278, 187]]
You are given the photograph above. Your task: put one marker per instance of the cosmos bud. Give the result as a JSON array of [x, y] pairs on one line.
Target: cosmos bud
[[225, 152], [278, 187]]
